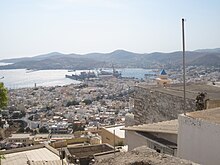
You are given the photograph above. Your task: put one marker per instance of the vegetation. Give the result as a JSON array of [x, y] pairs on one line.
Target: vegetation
[[18, 114], [3, 96], [31, 117], [87, 101], [27, 130], [200, 101], [76, 127], [1, 157], [74, 102], [43, 130], [21, 130], [22, 126]]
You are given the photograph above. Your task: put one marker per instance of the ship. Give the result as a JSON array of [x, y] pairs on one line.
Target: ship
[[116, 73], [103, 73], [82, 76]]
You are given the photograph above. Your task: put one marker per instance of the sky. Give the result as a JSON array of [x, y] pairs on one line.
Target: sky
[[34, 27]]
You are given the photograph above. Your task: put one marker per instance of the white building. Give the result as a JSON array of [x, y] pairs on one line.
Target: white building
[[113, 135], [161, 136], [199, 136], [34, 155], [26, 139], [61, 127]]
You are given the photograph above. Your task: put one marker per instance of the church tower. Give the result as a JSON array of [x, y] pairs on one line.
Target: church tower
[[163, 79]]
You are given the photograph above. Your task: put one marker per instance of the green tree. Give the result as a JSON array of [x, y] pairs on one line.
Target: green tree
[[43, 130], [27, 130], [3, 96], [87, 101], [3, 103], [74, 102], [21, 130]]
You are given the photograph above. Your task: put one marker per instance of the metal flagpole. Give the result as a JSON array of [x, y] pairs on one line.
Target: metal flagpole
[[184, 69]]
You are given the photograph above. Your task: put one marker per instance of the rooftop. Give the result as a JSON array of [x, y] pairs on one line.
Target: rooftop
[[22, 135], [170, 127], [34, 155], [163, 72], [211, 115], [85, 151]]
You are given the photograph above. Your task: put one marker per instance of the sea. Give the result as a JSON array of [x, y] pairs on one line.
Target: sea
[[22, 78]]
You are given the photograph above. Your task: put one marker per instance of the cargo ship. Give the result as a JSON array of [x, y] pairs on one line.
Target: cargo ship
[[82, 76]]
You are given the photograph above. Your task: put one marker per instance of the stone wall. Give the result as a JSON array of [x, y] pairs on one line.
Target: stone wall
[[212, 104], [152, 104]]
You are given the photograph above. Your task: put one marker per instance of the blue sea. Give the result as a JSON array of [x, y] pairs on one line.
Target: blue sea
[[20, 78]]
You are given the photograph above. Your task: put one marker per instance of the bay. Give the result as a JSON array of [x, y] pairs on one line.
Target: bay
[[21, 78]]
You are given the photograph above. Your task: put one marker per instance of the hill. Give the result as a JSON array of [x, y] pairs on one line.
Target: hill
[[207, 60], [120, 58], [55, 63]]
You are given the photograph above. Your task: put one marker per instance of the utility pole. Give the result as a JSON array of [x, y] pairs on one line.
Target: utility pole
[[184, 69], [114, 142]]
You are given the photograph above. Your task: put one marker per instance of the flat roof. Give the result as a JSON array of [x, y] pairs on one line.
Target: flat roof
[[89, 150], [118, 130], [41, 135], [32, 155], [211, 115], [64, 136], [20, 135], [52, 162], [170, 127]]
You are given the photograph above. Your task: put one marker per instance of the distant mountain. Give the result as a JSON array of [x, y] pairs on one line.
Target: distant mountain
[[59, 62], [49, 55], [207, 60], [39, 57], [216, 50], [14, 60], [118, 58]]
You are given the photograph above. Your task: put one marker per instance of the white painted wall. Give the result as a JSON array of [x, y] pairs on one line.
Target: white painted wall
[[198, 141], [134, 140]]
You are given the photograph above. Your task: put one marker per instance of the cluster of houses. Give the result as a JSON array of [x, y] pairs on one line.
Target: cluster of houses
[[84, 132]]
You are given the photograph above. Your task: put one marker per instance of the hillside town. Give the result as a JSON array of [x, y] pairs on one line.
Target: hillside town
[[109, 82], [91, 122]]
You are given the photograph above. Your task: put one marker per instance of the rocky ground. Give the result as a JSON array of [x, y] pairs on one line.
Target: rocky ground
[[142, 156]]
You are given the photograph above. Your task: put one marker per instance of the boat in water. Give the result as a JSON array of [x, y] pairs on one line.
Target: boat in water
[[103, 73], [82, 76]]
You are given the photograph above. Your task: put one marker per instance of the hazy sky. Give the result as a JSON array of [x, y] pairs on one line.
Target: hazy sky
[[32, 27]]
